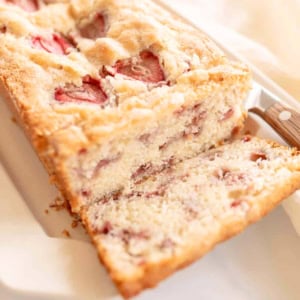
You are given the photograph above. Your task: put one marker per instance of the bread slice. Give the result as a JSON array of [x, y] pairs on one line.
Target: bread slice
[[154, 227], [113, 91]]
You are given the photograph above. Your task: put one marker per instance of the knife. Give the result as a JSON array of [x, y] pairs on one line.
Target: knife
[[283, 119]]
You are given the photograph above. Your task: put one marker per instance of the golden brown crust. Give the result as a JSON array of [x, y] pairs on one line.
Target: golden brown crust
[[40, 144], [51, 123], [208, 70]]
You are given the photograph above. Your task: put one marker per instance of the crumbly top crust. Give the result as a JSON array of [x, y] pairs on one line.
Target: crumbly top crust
[[78, 71]]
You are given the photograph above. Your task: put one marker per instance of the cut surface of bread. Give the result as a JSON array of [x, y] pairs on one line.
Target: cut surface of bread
[[154, 227], [111, 91]]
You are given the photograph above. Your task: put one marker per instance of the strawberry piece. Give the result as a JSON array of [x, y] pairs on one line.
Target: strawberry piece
[[96, 28], [145, 68], [103, 163], [128, 234], [55, 44], [86, 193], [90, 91], [106, 228], [3, 29], [27, 5], [236, 203], [227, 115], [142, 170], [258, 156], [167, 243], [230, 177], [246, 139]]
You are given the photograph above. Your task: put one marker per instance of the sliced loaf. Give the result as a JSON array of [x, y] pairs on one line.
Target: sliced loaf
[[150, 229], [113, 90]]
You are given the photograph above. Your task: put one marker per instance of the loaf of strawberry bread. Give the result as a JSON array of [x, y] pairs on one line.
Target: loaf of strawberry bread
[[126, 106], [112, 91]]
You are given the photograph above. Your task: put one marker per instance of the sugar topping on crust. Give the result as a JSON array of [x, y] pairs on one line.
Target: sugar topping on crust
[[106, 63]]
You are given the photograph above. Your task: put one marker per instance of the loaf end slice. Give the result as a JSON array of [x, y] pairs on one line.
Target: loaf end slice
[[149, 230]]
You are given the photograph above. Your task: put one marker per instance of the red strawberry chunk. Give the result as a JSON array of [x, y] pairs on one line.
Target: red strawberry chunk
[[90, 91], [246, 139], [96, 28], [230, 177], [27, 5], [227, 115], [55, 44], [258, 156], [106, 228], [236, 203], [3, 29], [145, 67]]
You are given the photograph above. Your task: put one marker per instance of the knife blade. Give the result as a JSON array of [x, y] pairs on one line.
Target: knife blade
[[283, 119]]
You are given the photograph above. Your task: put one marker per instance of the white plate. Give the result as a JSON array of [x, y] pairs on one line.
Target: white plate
[[37, 262]]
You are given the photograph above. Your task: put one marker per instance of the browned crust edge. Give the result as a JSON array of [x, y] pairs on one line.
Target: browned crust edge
[[154, 273], [39, 143]]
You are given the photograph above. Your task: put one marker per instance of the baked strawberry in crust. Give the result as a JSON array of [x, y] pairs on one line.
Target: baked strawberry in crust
[[93, 28], [144, 67], [54, 43], [90, 91], [27, 5], [30, 5]]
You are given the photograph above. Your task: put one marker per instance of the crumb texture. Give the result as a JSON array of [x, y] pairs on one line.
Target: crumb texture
[[177, 215]]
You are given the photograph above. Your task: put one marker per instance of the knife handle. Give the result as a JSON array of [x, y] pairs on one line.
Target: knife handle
[[285, 121]]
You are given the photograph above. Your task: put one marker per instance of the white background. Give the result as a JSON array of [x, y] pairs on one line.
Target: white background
[[274, 25]]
